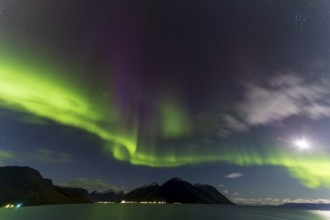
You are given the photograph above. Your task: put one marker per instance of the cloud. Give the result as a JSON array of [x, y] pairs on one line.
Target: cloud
[[264, 201], [262, 106], [48, 156], [284, 96], [23, 117], [230, 123], [281, 80], [316, 111], [40, 155], [317, 201], [235, 194], [276, 201], [225, 191], [94, 185], [277, 99], [6, 154], [234, 175]]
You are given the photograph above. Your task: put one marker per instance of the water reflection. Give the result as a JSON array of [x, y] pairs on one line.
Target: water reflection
[[159, 212]]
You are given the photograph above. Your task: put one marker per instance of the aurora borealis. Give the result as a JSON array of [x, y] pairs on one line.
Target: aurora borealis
[[144, 90]]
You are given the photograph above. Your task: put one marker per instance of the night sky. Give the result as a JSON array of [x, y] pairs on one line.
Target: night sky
[[116, 94]]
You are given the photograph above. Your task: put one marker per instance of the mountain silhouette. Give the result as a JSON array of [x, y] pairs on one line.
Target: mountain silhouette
[[24, 185], [177, 190]]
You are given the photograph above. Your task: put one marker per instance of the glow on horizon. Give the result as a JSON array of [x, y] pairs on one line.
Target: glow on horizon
[[324, 214]]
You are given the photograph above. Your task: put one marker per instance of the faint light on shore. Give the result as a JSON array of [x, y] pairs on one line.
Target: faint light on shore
[[105, 202], [152, 202], [9, 206], [127, 202], [143, 202]]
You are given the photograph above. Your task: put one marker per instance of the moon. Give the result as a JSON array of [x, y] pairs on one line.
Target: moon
[[302, 144]]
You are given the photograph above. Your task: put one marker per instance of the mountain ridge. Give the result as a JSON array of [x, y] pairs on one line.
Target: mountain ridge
[[177, 190], [26, 186]]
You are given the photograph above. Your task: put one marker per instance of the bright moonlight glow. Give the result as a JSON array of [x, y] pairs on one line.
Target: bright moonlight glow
[[302, 144]]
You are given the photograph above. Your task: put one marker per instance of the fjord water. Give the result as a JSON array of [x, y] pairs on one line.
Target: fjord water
[[159, 212]]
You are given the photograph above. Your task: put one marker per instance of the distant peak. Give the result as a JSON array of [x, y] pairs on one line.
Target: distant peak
[[200, 184], [150, 185], [176, 179], [204, 186], [153, 184]]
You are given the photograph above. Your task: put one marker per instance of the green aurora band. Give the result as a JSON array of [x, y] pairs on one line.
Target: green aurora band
[[48, 95], [171, 112]]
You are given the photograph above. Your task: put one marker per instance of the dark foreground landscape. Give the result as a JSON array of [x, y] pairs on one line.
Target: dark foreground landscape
[[24, 186]]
